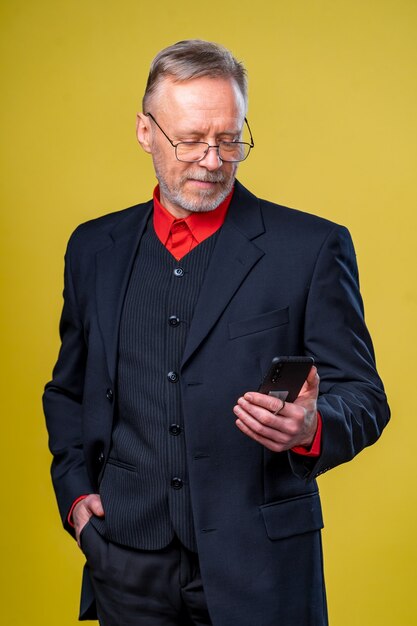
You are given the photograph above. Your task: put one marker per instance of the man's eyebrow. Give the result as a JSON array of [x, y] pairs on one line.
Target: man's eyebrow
[[200, 133], [230, 132]]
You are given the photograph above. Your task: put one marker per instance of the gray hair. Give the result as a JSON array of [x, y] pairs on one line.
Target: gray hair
[[194, 58]]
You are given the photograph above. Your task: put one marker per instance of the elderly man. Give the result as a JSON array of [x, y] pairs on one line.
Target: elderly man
[[192, 495]]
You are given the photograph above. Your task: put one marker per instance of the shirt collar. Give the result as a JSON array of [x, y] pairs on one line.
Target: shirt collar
[[202, 225]]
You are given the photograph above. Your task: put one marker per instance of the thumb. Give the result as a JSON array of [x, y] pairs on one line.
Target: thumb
[[96, 507]]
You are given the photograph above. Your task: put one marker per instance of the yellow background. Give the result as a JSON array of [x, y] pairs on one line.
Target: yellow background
[[333, 111]]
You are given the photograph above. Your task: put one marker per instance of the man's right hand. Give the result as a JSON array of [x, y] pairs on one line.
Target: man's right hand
[[83, 510]]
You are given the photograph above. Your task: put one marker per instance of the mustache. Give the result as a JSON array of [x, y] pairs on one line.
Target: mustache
[[205, 177]]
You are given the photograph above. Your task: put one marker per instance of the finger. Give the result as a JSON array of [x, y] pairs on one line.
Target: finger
[[274, 405], [96, 506], [264, 423], [281, 408], [313, 378], [268, 424], [84, 510], [311, 385], [278, 419], [274, 446]]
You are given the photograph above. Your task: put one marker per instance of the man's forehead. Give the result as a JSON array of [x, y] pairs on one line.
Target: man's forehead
[[201, 91]]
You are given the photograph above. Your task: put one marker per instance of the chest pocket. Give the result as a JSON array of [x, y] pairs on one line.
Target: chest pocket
[[278, 317]]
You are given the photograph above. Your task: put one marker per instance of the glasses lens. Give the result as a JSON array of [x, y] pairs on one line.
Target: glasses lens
[[191, 151], [233, 150]]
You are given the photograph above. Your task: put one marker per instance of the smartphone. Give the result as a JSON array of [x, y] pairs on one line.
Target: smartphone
[[286, 376]]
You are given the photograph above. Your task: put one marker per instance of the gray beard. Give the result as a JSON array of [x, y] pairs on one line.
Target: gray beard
[[205, 203]]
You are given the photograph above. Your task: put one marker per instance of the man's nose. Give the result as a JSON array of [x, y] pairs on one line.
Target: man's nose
[[212, 160]]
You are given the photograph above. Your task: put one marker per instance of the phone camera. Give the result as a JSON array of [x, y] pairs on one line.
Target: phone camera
[[276, 374]]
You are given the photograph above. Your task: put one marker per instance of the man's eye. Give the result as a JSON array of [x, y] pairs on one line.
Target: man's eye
[[230, 145]]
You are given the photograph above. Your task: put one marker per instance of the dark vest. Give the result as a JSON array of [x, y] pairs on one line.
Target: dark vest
[[145, 489]]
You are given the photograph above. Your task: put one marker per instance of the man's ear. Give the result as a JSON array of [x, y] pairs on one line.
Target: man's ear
[[143, 131]]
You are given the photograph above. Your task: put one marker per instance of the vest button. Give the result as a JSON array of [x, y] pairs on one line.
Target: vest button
[[173, 377], [176, 483], [178, 272], [175, 429], [173, 320]]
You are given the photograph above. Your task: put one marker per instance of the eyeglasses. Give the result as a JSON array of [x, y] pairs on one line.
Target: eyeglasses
[[194, 151]]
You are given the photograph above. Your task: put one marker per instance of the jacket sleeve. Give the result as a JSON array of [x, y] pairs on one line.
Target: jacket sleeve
[[62, 401], [352, 401]]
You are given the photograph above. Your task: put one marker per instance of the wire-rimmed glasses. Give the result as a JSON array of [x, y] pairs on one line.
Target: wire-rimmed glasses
[[194, 151]]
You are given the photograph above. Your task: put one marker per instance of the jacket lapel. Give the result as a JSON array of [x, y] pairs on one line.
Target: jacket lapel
[[233, 258], [114, 265]]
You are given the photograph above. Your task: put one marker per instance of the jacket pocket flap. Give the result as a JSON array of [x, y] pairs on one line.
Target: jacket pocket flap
[[258, 323], [294, 516]]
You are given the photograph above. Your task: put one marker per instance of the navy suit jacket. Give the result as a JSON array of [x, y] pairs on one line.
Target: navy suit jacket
[[280, 282]]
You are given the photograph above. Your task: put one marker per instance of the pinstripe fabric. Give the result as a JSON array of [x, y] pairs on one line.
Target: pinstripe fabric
[[144, 507]]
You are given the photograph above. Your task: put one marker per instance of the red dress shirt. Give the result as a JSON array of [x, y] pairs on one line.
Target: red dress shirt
[[181, 235]]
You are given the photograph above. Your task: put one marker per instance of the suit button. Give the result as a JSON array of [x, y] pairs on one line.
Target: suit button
[[175, 429], [109, 395], [176, 483], [173, 377], [173, 320], [100, 457], [178, 272]]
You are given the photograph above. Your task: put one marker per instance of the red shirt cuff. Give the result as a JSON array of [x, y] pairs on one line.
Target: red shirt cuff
[[314, 449], [69, 518]]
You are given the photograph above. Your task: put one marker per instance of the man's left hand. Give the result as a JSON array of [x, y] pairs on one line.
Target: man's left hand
[[294, 424]]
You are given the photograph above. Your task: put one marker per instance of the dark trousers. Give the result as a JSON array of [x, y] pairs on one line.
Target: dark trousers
[[144, 587]]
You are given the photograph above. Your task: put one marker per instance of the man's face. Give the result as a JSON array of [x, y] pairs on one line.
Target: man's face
[[202, 109]]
